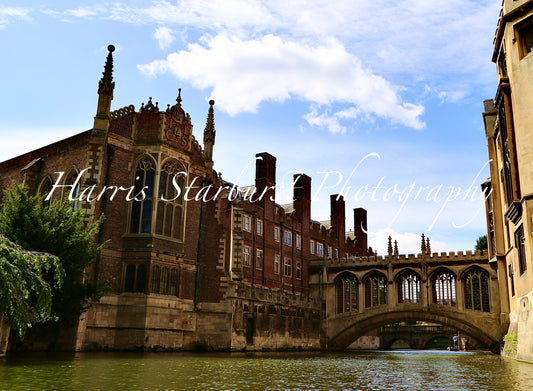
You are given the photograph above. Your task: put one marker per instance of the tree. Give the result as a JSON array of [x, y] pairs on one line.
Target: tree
[[57, 230], [25, 296], [481, 243]]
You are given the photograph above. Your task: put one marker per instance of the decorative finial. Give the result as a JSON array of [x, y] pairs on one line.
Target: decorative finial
[[209, 130], [423, 245], [389, 247], [396, 248], [428, 247], [106, 82], [178, 99]]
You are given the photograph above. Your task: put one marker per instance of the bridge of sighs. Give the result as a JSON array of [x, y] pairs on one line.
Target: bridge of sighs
[[457, 290]]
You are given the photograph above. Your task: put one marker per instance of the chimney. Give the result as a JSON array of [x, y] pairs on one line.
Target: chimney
[[265, 182], [360, 228], [337, 217], [302, 201]]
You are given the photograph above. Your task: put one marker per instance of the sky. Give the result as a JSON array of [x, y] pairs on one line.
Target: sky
[[377, 100]]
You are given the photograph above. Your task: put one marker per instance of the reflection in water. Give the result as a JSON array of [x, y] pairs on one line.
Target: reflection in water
[[393, 370]]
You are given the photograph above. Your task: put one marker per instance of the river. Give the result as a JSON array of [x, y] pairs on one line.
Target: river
[[393, 370]]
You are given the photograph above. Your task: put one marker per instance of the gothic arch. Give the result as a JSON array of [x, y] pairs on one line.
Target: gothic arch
[[170, 209], [362, 325], [346, 292], [375, 288], [408, 284], [476, 289], [144, 177], [443, 287], [69, 179], [44, 188]]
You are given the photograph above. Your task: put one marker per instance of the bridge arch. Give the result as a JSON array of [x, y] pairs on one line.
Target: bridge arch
[[343, 330]]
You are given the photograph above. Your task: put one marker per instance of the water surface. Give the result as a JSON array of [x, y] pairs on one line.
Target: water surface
[[392, 370]]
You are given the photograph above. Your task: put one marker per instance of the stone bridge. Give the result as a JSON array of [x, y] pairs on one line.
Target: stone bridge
[[457, 290], [416, 336]]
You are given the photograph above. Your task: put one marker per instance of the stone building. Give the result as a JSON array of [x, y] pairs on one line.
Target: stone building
[[194, 260], [509, 129]]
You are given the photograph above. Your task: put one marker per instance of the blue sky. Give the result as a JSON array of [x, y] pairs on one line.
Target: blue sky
[[389, 90]]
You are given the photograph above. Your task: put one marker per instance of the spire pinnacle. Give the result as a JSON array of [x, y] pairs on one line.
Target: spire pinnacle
[[389, 247], [428, 247], [178, 99], [423, 244], [396, 248], [106, 82]]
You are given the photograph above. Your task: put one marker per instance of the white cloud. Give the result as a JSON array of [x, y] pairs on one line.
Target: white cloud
[[245, 73], [403, 37], [164, 37], [408, 242], [10, 14]]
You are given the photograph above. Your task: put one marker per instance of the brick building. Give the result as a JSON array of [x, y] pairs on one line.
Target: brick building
[[194, 259]]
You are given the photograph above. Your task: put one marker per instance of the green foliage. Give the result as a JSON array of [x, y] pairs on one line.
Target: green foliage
[[25, 296], [60, 231], [511, 343], [481, 243]]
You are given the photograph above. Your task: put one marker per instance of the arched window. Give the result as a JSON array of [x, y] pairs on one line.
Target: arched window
[[375, 290], [443, 288], [476, 287], [347, 293], [169, 218], [44, 189], [141, 211], [70, 180], [408, 284]]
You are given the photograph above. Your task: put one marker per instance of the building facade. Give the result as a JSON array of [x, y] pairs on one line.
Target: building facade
[[508, 123], [193, 260]]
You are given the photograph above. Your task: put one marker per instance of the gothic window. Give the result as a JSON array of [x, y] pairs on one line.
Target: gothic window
[[347, 293], [408, 287], [135, 278], [443, 288], [476, 287], [67, 191], [173, 283], [141, 211], [503, 139], [44, 189], [520, 244], [169, 218], [375, 290]]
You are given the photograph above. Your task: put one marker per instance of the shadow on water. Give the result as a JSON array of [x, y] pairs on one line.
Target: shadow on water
[[378, 370]]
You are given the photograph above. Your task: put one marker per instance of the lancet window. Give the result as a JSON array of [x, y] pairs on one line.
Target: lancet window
[[375, 290], [169, 218], [347, 293], [408, 287], [141, 211], [443, 288], [476, 287]]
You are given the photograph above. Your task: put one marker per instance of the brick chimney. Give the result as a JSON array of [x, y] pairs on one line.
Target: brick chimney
[[338, 217], [302, 201], [265, 182], [360, 228]]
